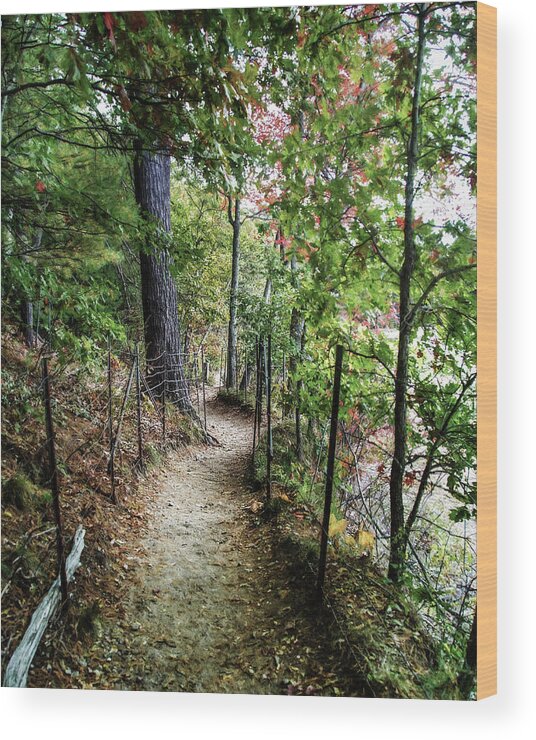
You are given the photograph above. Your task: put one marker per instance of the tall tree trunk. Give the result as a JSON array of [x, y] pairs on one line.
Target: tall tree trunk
[[26, 312], [267, 294], [159, 293], [297, 411], [248, 373], [232, 337], [398, 541], [297, 330], [26, 304], [297, 327]]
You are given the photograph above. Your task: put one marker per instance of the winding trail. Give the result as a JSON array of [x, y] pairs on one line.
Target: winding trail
[[209, 606]]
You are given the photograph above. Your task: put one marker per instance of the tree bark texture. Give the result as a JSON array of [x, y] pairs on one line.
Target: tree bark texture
[[297, 410], [26, 305], [297, 342], [232, 337], [159, 292], [248, 373], [398, 540], [26, 312], [296, 332]]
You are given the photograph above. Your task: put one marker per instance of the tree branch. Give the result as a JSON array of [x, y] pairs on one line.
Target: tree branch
[[447, 273], [410, 521]]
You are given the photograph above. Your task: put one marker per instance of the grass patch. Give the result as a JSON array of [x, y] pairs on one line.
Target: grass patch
[[19, 492], [296, 476], [153, 455]]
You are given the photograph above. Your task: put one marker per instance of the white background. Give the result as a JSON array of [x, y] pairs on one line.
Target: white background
[[101, 715]]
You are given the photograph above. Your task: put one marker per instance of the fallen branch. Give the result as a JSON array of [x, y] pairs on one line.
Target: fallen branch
[[16, 674]]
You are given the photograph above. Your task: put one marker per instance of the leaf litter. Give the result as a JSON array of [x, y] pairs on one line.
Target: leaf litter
[[204, 600]]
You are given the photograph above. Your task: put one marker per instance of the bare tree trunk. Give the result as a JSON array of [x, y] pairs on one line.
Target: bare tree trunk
[[297, 336], [398, 541], [26, 312], [248, 373], [26, 305], [297, 330], [232, 338], [159, 292], [297, 410]]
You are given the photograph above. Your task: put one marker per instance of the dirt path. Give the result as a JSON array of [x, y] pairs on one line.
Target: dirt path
[[209, 606]]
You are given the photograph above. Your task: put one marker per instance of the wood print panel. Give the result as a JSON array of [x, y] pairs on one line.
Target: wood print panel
[[487, 351]]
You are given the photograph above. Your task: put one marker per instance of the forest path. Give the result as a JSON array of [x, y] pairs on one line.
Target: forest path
[[209, 606]]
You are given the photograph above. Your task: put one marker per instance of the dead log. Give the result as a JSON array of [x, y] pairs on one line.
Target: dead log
[[16, 674]]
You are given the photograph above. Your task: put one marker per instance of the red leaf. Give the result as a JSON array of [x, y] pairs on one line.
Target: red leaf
[[136, 20], [109, 23], [126, 103], [40, 186]]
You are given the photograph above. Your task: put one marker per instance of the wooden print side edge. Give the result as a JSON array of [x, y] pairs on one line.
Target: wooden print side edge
[[487, 351]]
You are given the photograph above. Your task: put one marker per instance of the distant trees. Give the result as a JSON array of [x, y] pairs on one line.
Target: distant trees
[[232, 337], [154, 85], [379, 200], [378, 151]]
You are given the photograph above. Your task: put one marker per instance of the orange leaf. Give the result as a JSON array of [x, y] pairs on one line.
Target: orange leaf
[[126, 103]]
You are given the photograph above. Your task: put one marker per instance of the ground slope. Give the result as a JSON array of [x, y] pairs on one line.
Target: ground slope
[[208, 605]]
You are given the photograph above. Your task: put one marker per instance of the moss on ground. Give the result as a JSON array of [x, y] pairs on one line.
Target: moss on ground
[[19, 492]]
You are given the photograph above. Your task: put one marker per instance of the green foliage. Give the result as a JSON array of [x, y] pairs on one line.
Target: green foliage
[[19, 492]]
